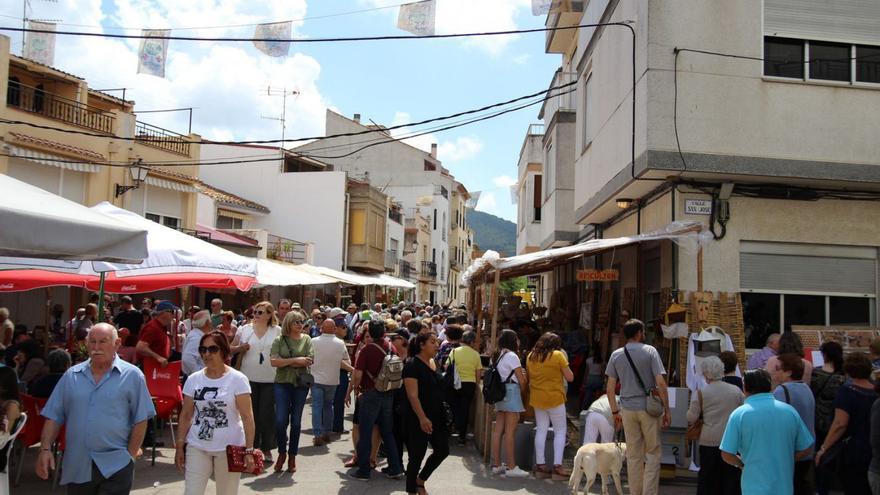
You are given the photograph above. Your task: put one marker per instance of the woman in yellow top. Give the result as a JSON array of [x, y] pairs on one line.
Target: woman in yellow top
[[547, 368]]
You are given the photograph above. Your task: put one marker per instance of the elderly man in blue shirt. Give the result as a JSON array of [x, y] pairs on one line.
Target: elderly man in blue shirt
[[764, 437], [105, 404]]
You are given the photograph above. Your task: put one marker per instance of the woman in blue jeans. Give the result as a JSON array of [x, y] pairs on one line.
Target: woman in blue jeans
[[291, 355]]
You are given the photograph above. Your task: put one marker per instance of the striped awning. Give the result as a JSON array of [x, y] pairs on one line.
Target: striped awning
[[53, 160], [170, 184]]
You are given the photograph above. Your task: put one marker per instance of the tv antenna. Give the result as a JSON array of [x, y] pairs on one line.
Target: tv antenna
[[283, 93]]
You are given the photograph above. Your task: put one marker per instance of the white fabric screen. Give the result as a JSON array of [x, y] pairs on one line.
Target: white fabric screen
[[848, 21]]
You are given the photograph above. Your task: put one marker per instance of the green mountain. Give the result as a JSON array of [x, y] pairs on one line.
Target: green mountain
[[491, 232]]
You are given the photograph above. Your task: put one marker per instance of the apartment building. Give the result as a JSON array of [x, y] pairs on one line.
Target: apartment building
[[750, 116]]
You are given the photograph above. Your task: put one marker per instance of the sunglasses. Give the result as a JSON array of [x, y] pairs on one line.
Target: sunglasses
[[211, 349], [259, 312]]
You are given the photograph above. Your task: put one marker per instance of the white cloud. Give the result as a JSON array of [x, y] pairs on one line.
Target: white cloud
[[460, 149], [473, 16], [225, 83], [503, 181], [522, 59], [488, 203]]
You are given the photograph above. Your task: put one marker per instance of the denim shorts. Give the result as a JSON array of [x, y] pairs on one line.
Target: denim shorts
[[512, 399]]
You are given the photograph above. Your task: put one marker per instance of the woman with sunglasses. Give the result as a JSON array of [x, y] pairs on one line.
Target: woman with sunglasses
[[291, 355], [254, 341], [216, 412]]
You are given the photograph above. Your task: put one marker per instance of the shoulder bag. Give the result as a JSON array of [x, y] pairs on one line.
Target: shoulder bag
[[304, 378], [695, 430], [653, 404]]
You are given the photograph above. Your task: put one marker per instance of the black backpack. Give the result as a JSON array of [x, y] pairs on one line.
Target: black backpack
[[494, 388]]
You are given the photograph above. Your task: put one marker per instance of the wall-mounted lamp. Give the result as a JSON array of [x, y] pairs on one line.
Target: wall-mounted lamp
[[624, 203], [138, 173]]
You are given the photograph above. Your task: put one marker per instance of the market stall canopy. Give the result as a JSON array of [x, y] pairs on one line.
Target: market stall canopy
[[38, 224], [175, 260], [360, 279], [275, 273], [540, 261]]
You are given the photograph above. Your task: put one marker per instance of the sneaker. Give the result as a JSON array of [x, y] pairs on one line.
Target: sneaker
[[392, 476], [516, 472], [358, 476], [499, 469]]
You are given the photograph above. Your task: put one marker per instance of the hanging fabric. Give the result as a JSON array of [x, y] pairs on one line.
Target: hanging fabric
[[153, 52], [417, 18], [544, 7], [473, 200], [710, 342], [273, 31], [40, 47]]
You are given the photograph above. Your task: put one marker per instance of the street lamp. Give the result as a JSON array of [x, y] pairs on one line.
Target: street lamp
[[624, 203], [138, 173]]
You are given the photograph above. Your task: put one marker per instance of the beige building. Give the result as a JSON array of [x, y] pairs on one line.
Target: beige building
[[758, 127], [460, 243]]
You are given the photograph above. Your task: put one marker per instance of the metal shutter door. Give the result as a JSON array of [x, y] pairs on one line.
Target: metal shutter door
[[849, 21], [779, 272]]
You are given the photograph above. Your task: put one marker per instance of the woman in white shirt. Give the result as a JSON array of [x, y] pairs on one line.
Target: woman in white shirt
[[507, 411], [254, 341], [216, 413]]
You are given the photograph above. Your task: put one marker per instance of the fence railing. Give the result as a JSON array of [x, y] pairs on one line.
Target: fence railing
[[429, 270], [390, 259], [565, 102], [36, 100], [158, 137], [407, 271], [281, 249]]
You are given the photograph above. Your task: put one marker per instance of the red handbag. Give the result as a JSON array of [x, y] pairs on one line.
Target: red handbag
[[235, 460]]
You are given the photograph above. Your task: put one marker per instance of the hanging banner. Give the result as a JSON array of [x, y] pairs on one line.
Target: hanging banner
[[472, 202], [153, 52], [273, 31], [40, 47], [417, 18], [593, 275], [544, 7]]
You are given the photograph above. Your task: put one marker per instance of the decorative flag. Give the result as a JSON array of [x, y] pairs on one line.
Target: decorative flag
[[417, 18], [40, 47], [153, 52], [474, 200], [544, 7], [274, 31]]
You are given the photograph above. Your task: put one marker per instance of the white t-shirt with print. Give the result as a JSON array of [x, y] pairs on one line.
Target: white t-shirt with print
[[216, 422], [250, 362], [508, 362]]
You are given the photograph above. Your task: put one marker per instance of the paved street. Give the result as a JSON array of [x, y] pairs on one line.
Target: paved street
[[320, 471]]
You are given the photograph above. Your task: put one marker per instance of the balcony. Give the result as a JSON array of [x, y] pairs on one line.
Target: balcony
[[536, 130], [35, 100], [559, 102], [281, 249], [407, 270], [395, 215], [565, 13], [163, 139], [429, 270], [390, 260]]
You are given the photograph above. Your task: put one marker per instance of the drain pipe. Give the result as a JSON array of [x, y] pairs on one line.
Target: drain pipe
[[345, 237]]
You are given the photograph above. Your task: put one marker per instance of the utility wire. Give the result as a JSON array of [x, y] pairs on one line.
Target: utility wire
[[314, 40]]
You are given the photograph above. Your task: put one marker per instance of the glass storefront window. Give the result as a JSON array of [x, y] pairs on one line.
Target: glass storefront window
[[804, 310], [761, 317], [855, 311]]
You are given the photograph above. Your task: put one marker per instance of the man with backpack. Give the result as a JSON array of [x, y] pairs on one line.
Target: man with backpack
[[377, 374]]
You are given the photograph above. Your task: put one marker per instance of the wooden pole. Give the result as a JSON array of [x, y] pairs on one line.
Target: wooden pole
[[493, 304], [700, 269]]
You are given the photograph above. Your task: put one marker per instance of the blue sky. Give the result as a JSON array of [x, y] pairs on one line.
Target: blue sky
[[389, 82]]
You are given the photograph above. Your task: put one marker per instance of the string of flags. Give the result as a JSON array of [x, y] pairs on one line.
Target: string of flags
[[418, 18]]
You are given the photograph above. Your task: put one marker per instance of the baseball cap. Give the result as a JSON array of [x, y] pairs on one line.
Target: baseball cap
[[334, 312], [366, 315], [295, 306], [165, 306]]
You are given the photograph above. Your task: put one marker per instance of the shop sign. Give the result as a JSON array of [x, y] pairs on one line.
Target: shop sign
[[592, 275], [698, 206]]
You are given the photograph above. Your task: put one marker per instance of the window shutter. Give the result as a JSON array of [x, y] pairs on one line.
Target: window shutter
[[849, 21], [821, 274]]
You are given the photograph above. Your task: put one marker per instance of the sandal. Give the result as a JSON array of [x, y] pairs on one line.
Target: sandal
[[291, 464], [421, 487], [279, 463], [542, 471], [560, 473]]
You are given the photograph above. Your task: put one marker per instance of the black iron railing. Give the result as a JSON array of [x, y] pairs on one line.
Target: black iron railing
[[158, 137], [395, 215], [36, 100], [407, 270], [429, 269]]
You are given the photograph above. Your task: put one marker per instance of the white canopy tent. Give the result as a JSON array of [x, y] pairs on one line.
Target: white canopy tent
[[38, 224], [271, 272]]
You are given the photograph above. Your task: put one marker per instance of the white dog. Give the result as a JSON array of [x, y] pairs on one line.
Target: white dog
[[598, 458]]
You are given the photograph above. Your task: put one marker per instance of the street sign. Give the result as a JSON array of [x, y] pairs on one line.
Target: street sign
[[698, 206], [592, 275]]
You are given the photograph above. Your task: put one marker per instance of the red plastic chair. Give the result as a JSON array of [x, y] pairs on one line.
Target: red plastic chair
[[164, 387], [33, 428]]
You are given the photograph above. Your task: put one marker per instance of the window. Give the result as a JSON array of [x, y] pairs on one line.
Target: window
[[804, 310], [868, 64], [761, 317], [358, 224], [13, 92], [854, 311], [549, 182], [430, 167], [783, 57], [224, 222], [536, 199], [435, 218], [585, 113], [829, 61], [293, 165], [167, 221]]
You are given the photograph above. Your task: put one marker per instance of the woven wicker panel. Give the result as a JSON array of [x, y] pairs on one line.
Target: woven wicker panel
[[811, 339], [726, 312]]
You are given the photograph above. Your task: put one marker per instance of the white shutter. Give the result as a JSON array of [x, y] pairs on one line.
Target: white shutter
[[818, 274], [848, 21]]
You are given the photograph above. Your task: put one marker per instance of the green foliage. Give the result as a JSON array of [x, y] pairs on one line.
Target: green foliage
[[491, 232], [509, 286]]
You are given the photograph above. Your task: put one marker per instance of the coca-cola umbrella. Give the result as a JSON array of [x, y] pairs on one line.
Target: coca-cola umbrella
[[175, 260]]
